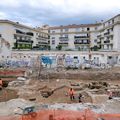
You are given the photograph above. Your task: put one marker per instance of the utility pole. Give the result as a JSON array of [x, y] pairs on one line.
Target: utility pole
[[89, 47]]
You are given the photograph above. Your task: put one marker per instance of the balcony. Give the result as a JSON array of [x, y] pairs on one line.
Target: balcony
[[99, 42], [81, 42], [23, 33], [43, 43], [107, 41], [30, 33], [63, 39], [99, 36], [81, 37], [107, 33], [42, 37], [25, 41], [63, 43]]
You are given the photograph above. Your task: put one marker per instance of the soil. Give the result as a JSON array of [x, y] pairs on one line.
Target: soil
[[79, 79], [7, 94]]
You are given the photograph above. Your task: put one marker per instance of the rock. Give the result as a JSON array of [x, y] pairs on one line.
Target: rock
[[21, 78]]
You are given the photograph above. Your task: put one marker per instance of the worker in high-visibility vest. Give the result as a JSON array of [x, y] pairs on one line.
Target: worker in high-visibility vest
[[71, 93], [1, 82]]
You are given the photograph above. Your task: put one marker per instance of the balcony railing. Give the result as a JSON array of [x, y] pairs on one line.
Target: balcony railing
[[107, 33], [107, 41], [99, 42], [81, 42], [27, 41], [63, 39], [99, 36], [43, 43], [42, 37], [63, 43], [23, 33], [81, 36]]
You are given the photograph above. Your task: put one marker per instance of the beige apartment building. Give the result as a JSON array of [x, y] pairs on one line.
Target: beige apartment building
[[73, 37], [103, 36], [23, 37], [108, 38]]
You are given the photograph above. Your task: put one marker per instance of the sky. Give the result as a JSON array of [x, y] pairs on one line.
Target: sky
[[58, 12]]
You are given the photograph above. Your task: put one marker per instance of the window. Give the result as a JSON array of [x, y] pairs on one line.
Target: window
[[61, 30], [15, 37], [84, 41], [53, 31], [66, 35], [95, 28], [53, 42], [77, 29], [53, 37], [75, 57], [18, 37], [95, 41], [113, 21], [23, 38], [88, 29], [82, 29], [66, 30], [0, 35], [112, 29], [37, 33]]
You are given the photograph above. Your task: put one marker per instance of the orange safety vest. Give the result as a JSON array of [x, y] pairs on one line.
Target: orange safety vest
[[1, 83], [71, 92]]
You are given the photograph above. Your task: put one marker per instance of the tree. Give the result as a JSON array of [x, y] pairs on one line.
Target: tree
[[95, 48], [59, 47], [49, 47]]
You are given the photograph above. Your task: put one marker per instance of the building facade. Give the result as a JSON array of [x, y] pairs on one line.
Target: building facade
[[73, 37], [108, 38], [23, 37], [4, 49], [103, 36]]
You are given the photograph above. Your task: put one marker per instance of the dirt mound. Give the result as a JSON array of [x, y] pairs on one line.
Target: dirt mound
[[7, 94], [87, 75]]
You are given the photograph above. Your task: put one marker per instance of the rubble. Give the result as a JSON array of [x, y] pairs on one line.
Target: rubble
[[12, 107]]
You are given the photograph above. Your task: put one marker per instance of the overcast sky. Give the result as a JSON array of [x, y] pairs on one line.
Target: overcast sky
[[58, 12]]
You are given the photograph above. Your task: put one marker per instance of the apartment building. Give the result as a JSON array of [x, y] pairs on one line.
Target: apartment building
[[103, 36], [4, 49], [23, 37], [73, 37], [108, 38]]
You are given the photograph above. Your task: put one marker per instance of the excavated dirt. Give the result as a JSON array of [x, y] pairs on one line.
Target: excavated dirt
[[97, 82], [7, 94], [110, 74]]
